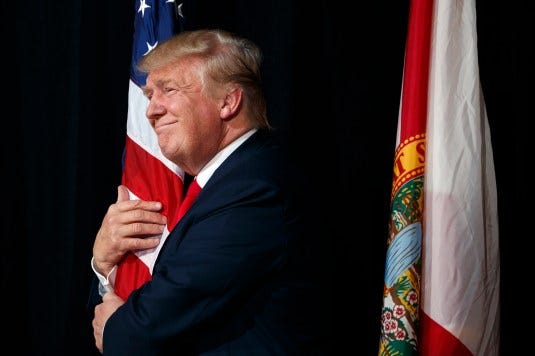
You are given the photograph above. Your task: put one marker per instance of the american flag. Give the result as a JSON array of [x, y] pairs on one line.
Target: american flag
[[147, 174]]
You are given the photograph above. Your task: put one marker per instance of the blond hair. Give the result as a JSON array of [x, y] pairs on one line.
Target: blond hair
[[224, 57]]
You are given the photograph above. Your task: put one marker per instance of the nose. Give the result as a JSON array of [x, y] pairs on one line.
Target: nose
[[155, 109]]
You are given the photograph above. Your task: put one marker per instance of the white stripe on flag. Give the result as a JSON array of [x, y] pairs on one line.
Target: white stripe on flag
[[461, 269]]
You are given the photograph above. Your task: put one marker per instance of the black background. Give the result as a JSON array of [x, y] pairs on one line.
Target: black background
[[332, 74]]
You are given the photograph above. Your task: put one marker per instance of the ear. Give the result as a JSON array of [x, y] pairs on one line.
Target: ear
[[231, 103]]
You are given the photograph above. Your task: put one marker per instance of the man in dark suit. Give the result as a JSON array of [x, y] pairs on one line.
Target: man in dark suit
[[238, 273]]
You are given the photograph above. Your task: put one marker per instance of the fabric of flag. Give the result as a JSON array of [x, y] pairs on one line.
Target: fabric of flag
[[460, 251], [147, 174], [442, 275]]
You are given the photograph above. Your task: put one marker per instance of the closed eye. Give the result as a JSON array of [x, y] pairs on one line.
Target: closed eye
[[147, 92], [169, 90]]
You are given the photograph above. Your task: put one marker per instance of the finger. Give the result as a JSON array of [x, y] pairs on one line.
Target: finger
[[96, 326], [135, 244], [126, 227], [135, 211], [97, 329], [143, 216], [122, 193], [142, 244], [127, 205]]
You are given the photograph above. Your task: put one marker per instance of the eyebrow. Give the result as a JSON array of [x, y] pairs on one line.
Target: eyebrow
[[158, 83]]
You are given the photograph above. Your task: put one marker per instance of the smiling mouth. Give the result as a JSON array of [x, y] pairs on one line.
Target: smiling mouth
[[162, 126]]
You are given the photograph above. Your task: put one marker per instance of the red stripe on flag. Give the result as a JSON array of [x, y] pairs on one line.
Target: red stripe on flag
[[165, 186], [416, 70], [131, 274], [434, 337]]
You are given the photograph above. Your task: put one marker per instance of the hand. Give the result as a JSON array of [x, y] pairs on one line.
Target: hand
[[128, 225], [110, 303]]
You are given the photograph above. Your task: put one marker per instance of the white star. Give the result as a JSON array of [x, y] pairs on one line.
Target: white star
[[178, 8], [142, 7], [150, 48]]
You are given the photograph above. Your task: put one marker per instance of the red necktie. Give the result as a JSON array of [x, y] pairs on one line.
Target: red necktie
[[133, 272], [193, 190]]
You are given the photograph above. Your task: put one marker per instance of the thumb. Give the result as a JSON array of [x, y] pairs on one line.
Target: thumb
[[122, 193]]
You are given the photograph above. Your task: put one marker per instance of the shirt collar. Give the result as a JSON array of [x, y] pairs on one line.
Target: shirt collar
[[210, 167]]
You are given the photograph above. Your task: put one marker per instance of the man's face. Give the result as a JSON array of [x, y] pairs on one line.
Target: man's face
[[185, 119]]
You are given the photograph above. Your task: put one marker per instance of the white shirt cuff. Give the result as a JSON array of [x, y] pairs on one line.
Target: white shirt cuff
[[106, 283]]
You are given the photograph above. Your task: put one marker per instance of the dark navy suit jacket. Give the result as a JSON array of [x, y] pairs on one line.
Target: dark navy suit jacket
[[237, 275]]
